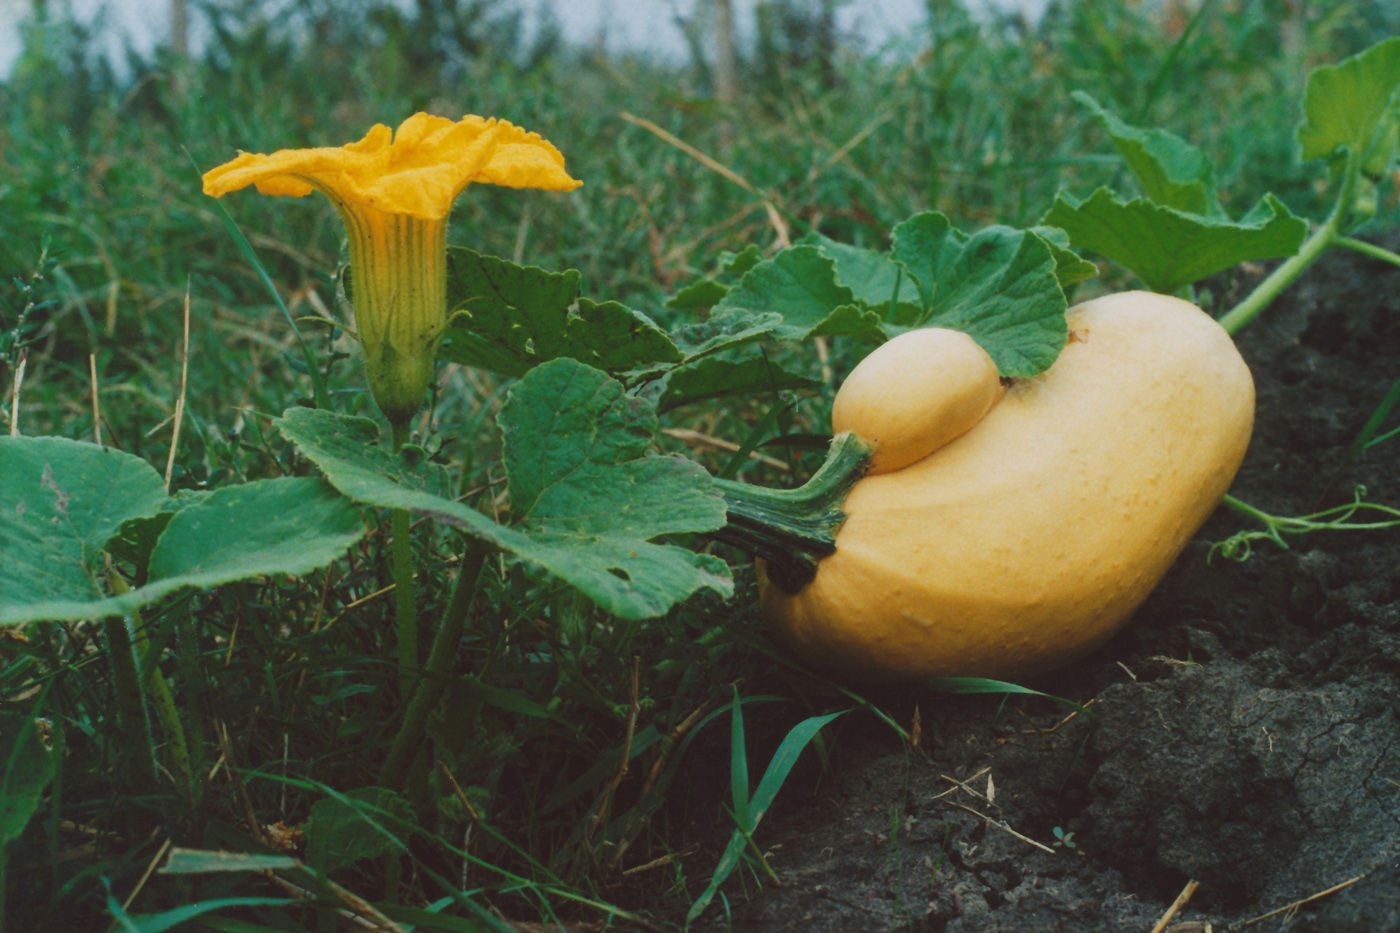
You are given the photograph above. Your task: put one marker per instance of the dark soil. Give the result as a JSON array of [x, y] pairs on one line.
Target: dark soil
[[1246, 734]]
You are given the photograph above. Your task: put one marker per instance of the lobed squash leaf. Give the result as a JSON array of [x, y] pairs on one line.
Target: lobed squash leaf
[[709, 291], [1171, 171], [800, 284], [1004, 287], [1070, 267], [585, 497], [874, 278], [63, 504], [60, 500], [1168, 248], [723, 332], [507, 319], [711, 378], [1177, 233], [1354, 104]]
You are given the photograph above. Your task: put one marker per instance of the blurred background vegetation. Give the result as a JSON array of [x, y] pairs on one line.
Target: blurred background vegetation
[[104, 237]]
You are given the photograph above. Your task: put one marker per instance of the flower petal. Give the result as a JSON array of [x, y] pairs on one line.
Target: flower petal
[[418, 170], [526, 160]]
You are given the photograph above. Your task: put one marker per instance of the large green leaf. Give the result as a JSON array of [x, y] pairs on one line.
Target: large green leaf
[[1070, 267], [800, 284], [136, 539], [874, 278], [998, 285], [723, 331], [707, 292], [1172, 172], [1353, 105], [62, 502], [1169, 249], [508, 319], [702, 293], [615, 338], [292, 526], [585, 498]]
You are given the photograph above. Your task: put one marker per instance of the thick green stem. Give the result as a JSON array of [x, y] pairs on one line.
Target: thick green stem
[[793, 529], [157, 691], [445, 641], [131, 707], [164, 704], [1327, 235], [187, 656], [405, 599]]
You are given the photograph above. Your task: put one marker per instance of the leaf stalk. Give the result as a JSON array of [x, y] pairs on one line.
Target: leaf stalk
[[445, 641], [1324, 237]]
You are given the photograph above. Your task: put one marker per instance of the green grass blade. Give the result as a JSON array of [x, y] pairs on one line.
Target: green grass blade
[[986, 685], [748, 812], [1367, 436], [727, 863], [739, 764], [756, 436], [168, 920], [313, 369], [229, 925], [783, 760], [432, 920]]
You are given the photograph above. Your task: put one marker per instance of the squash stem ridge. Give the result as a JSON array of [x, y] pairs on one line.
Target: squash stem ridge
[[793, 529]]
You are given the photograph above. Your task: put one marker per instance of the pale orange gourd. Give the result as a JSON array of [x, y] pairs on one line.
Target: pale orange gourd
[[1024, 543]]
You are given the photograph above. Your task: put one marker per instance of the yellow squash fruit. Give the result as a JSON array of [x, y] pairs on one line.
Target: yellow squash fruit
[[1024, 542]]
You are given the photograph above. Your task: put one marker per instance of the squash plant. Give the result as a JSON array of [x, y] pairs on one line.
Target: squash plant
[[88, 532], [588, 497]]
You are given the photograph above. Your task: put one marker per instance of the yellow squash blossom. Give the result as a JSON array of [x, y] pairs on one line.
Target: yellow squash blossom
[[394, 191]]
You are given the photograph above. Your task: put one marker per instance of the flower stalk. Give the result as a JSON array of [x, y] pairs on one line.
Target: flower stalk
[[405, 588], [445, 640]]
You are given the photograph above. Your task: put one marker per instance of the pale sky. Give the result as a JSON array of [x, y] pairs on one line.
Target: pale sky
[[626, 24]]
